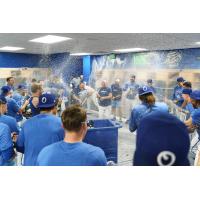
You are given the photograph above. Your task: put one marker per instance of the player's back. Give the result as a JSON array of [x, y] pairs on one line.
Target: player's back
[[38, 132], [71, 154]]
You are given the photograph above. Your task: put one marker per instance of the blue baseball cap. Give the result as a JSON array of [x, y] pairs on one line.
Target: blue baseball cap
[[180, 79], [195, 95], [47, 100], [21, 87], [144, 90], [5, 89], [3, 99], [162, 140], [187, 91]]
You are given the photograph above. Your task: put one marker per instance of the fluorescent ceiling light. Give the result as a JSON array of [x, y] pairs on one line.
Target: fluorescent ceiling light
[[198, 43], [50, 39], [79, 54], [10, 48], [130, 50]]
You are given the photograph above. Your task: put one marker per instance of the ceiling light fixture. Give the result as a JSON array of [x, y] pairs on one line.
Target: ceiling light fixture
[[50, 39], [11, 48], [80, 54], [130, 50]]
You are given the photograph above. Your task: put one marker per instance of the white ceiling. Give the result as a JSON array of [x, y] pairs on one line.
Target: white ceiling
[[100, 42]]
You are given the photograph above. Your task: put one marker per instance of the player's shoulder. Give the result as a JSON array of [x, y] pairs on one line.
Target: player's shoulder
[[9, 118], [92, 149], [50, 148], [4, 129], [139, 107]]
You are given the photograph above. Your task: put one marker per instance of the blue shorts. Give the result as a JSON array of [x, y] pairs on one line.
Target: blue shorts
[[116, 103]]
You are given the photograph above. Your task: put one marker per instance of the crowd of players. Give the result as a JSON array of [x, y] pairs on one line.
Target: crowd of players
[[47, 122]]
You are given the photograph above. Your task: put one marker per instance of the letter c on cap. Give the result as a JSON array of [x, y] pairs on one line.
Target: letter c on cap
[[44, 99], [166, 156]]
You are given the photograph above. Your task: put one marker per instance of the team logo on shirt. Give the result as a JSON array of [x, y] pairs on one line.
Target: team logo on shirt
[[166, 158], [44, 99], [145, 88]]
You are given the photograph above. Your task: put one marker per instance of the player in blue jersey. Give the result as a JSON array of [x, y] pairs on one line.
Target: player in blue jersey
[[10, 121], [7, 153], [177, 94], [72, 151], [40, 130], [147, 106]]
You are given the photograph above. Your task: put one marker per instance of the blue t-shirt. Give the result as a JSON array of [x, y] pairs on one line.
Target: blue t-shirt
[[20, 101], [11, 122], [71, 154], [177, 95], [38, 132], [13, 108], [103, 92], [34, 111], [140, 111], [133, 89], [116, 91], [6, 145]]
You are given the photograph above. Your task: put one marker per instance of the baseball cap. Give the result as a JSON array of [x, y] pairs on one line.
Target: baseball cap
[[5, 89], [180, 79], [47, 100], [22, 87], [3, 99], [195, 95], [144, 90], [149, 81], [162, 140], [187, 91]]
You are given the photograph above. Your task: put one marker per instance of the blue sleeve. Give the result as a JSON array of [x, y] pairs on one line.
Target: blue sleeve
[[132, 121], [20, 141], [15, 107], [98, 158], [41, 159], [196, 118], [15, 126], [109, 90], [6, 144]]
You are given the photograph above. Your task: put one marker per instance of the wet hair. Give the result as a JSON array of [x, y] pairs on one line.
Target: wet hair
[[33, 80], [73, 117], [187, 84], [35, 88], [148, 99], [8, 79]]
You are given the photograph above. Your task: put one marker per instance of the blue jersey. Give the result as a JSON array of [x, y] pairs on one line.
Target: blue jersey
[[13, 108], [20, 101], [11, 122], [189, 107], [34, 111], [103, 92], [71, 154], [141, 111], [38, 132], [18, 98], [132, 88], [6, 145], [116, 91], [177, 95], [196, 120]]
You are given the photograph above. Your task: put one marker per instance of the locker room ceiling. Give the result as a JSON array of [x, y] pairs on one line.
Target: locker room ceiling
[[98, 43]]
